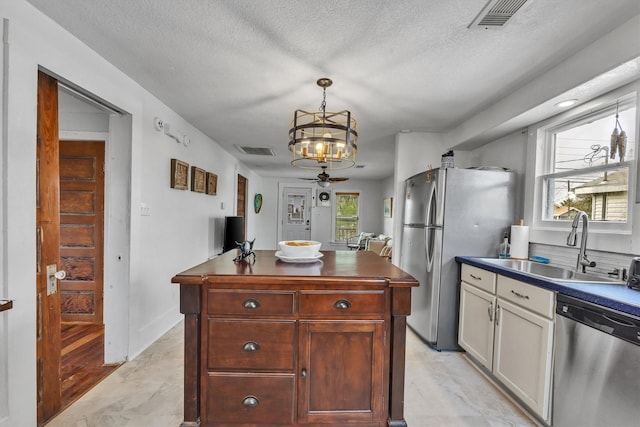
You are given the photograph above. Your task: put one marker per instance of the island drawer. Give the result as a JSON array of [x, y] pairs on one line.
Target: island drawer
[[341, 303], [264, 345], [260, 399], [483, 279], [539, 300], [249, 303]]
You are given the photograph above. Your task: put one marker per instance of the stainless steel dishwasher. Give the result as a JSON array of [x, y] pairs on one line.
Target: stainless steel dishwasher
[[597, 366]]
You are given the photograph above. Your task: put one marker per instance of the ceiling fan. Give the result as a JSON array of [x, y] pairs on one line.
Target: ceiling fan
[[324, 179]]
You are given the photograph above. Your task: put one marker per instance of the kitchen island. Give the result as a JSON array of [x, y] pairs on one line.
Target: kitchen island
[[276, 343]]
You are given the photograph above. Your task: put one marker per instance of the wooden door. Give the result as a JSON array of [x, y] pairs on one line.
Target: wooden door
[[48, 250], [341, 372], [81, 230], [241, 205]]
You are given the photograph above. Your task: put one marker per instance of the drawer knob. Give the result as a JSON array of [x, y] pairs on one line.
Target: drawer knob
[[342, 304], [251, 304], [251, 346], [250, 401]]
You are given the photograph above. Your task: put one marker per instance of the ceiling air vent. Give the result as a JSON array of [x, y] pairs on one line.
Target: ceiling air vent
[[256, 151], [497, 13]]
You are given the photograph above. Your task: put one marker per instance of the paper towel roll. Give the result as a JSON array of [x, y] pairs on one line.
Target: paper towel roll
[[520, 241]]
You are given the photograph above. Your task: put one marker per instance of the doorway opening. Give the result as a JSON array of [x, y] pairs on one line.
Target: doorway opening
[[71, 174], [241, 203]]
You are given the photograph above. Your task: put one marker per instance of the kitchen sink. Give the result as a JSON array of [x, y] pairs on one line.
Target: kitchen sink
[[551, 272]]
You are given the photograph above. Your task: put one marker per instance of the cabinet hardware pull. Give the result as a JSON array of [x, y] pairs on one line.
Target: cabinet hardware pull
[[250, 401], [497, 315], [490, 311], [519, 295], [303, 373], [475, 277], [342, 304], [250, 346], [251, 304]]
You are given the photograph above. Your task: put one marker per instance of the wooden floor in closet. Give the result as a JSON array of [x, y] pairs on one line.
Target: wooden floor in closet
[[82, 360]]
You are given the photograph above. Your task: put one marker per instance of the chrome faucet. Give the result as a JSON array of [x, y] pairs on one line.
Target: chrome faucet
[[583, 261]]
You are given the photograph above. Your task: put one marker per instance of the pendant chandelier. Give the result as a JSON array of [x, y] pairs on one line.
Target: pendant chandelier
[[323, 140]]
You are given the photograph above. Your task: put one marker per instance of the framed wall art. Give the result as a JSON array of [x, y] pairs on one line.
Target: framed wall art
[[212, 184], [198, 179], [387, 207], [257, 202], [179, 174]]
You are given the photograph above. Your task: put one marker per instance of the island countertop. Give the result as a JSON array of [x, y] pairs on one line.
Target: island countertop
[[256, 333], [333, 266]]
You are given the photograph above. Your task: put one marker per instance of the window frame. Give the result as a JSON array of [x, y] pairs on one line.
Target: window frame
[[602, 234], [549, 141], [334, 214]]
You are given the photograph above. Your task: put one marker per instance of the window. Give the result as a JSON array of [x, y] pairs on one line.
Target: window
[[583, 170], [347, 215]]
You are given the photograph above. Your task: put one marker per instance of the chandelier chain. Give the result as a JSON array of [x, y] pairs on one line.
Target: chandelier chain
[[323, 105]]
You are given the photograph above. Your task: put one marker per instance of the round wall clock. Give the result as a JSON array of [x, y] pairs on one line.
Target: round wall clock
[[323, 196]]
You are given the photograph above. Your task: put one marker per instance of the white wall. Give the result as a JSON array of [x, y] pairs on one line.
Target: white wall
[[509, 152], [388, 190], [4, 284], [321, 217], [142, 303]]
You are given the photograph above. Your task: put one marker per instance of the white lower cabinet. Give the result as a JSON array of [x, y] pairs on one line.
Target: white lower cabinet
[[475, 333], [522, 355], [510, 332]]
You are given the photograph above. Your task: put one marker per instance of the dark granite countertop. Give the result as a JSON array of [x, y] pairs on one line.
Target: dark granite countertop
[[614, 296]]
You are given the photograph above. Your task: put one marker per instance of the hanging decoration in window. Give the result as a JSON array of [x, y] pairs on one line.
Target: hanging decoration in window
[[618, 140]]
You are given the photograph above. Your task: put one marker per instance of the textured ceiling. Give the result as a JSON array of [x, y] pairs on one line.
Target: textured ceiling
[[237, 69]]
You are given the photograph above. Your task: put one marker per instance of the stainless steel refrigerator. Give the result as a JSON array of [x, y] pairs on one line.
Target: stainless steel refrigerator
[[450, 212]]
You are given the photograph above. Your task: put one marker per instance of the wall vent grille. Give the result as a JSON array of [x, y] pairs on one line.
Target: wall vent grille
[[256, 151], [497, 13]]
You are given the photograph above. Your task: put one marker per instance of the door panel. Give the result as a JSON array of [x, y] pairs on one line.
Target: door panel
[[340, 372], [241, 203], [296, 221], [48, 246], [81, 230]]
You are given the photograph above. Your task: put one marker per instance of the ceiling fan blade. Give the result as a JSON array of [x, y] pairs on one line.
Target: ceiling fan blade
[[309, 179], [338, 179]]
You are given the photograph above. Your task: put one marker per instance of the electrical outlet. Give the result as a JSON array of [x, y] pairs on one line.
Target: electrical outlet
[[145, 209]]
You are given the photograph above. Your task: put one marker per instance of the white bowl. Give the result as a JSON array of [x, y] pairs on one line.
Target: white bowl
[[299, 248]]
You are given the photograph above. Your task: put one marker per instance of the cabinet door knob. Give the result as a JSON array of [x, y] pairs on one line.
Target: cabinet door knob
[[303, 373], [250, 401], [251, 304], [251, 346], [342, 304]]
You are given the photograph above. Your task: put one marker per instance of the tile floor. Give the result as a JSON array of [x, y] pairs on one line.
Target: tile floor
[[442, 389]]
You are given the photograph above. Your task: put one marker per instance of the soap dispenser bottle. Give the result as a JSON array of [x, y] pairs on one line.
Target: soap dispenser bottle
[[503, 247]]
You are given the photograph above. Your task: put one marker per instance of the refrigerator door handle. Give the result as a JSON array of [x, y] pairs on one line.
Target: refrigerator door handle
[[430, 226], [428, 246]]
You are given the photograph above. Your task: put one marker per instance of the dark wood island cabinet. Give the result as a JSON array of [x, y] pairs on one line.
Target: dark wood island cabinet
[[311, 344]]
